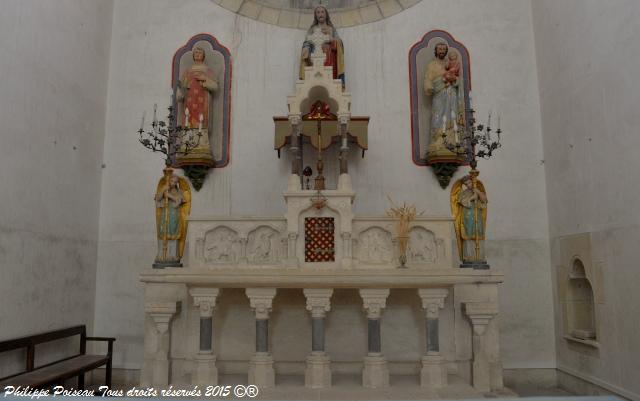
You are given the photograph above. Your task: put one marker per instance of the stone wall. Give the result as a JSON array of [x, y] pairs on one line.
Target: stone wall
[[54, 67], [589, 96]]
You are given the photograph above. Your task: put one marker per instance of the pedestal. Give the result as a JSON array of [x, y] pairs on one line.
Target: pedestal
[[261, 371], [434, 371], [376, 372], [318, 371], [205, 372]]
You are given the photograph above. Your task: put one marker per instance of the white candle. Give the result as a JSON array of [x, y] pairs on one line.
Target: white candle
[[201, 119], [186, 117], [142, 122]]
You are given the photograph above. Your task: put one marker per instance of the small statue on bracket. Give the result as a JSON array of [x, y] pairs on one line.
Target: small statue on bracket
[[469, 208]]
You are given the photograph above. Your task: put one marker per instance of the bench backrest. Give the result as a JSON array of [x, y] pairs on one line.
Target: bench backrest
[[30, 342]]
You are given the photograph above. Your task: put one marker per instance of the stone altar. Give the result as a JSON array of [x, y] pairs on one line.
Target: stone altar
[[262, 255]]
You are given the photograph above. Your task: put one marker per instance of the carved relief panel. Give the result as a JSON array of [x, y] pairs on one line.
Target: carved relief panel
[[375, 246], [264, 246], [424, 247], [221, 246]]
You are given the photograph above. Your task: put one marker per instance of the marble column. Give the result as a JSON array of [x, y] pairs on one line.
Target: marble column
[[296, 152], [376, 372], [344, 179], [261, 371], [434, 368], [161, 314], [205, 371], [344, 146], [480, 314], [318, 371]]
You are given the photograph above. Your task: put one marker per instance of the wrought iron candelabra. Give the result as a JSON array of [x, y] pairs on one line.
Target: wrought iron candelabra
[[169, 138], [474, 141]]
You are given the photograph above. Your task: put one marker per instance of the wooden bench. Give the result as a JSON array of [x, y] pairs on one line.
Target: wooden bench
[[63, 369]]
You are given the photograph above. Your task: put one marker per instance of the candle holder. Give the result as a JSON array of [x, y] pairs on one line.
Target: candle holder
[[468, 195], [173, 194], [474, 140], [169, 138]]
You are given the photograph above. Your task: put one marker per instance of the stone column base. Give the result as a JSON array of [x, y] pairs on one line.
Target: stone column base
[[376, 372], [261, 371], [344, 183], [205, 372], [497, 381], [434, 371], [160, 376], [294, 182], [318, 371], [481, 374]]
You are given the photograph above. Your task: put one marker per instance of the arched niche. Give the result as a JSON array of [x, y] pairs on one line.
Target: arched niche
[[580, 305]]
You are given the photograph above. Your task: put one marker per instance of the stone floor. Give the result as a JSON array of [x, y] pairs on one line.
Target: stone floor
[[348, 387]]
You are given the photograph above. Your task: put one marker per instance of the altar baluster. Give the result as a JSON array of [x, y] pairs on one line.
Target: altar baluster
[[318, 371], [205, 361], [434, 368], [376, 372], [261, 371]]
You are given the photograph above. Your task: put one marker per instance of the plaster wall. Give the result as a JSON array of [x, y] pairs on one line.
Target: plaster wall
[[586, 51], [52, 108], [499, 37]]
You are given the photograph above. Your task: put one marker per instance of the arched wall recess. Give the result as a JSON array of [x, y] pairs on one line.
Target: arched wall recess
[[580, 290]]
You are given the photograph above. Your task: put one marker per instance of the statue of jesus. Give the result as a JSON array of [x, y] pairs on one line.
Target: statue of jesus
[[330, 42]]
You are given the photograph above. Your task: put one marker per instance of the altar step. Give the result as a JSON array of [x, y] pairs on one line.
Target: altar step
[[349, 387]]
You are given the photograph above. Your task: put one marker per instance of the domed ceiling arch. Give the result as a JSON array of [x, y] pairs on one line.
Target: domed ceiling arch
[[298, 14]]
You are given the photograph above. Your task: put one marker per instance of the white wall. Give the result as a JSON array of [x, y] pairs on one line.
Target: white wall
[[54, 69], [587, 55], [499, 37]]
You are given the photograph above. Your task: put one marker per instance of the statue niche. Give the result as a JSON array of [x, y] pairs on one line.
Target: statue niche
[[201, 84], [440, 85]]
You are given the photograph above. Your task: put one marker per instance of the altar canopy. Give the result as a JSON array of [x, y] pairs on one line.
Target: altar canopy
[[330, 132]]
